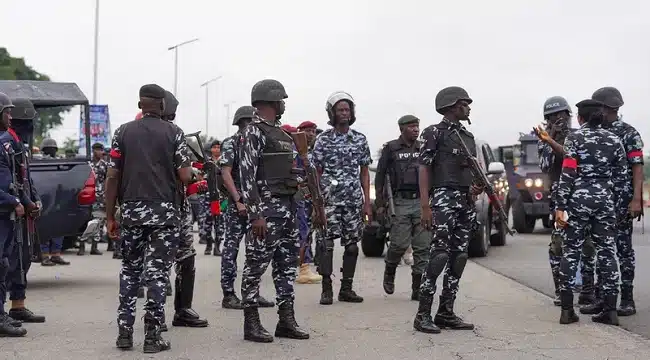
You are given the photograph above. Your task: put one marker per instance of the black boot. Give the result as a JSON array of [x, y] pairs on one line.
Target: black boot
[[253, 329], [93, 249], [231, 301], [287, 326], [7, 328], [327, 294], [124, 339], [82, 248], [168, 287], [423, 322], [415, 286], [153, 341], [111, 245], [446, 318], [184, 295], [58, 260], [25, 315], [587, 295], [608, 315], [389, 278], [568, 314], [217, 249], [208, 249], [346, 294], [263, 303], [627, 307], [595, 307]]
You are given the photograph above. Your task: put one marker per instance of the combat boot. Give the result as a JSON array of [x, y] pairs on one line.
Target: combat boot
[[184, 295], [587, 295], [389, 278], [346, 294], [58, 260], [111, 245], [568, 314], [93, 249], [287, 326], [153, 341], [446, 318], [82, 249], [595, 307], [627, 307], [264, 303], [217, 249], [124, 339], [556, 281], [608, 315], [306, 276], [415, 286], [253, 329], [208, 249], [327, 294], [47, 261], [8, 329], [423, 322], [231, 301], [25, 315]]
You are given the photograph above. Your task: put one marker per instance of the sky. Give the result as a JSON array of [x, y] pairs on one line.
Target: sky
[[392, 56]]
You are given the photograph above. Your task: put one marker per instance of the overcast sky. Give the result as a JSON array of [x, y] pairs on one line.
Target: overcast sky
[[392, 56]]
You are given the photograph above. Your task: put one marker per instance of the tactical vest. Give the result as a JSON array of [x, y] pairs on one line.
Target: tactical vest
[[277, 165], [405, 165], [450, 168], [148, 171]]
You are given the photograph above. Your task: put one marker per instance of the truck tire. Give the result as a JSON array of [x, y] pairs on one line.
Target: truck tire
[[546, 222], [372, 241], [499, 238], [480, 242], [523, 224]]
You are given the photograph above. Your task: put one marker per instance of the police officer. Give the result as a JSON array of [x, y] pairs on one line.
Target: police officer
[[446, 177], [398, 160], [594, 165], [632, 192], [206, 221], [550, 149], [19, 136], [268, 186], [342, 156], [186, 254], [10, 200], [144, 176], [218, 222], [49, 148], [100, 167]]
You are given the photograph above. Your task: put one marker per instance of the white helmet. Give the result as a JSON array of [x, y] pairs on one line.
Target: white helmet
[[333, 99]]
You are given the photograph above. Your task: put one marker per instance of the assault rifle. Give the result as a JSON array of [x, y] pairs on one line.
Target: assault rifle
[[389, 192], [313, 185], [15, 189], [211, 172], [484, 182]]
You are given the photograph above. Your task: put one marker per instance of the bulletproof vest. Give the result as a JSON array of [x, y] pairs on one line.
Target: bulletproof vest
[[148, 173], [405, 165], [450, 168], [277, 166]]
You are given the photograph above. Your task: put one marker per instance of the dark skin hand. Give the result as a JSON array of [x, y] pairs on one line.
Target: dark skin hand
[[112, 178], [259, 228], [228, 182], [426, 218], [365, 184], [20, 210], [635, 208]]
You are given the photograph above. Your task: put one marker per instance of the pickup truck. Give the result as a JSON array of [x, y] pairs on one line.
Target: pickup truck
[[490, 232], [66, 186]]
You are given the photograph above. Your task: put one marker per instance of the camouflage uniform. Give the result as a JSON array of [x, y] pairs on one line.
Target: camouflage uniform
[[206, 222], [99, 208], [594, 165], [339, 157]]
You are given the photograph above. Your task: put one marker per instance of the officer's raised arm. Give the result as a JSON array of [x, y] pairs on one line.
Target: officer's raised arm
[[569, 173]]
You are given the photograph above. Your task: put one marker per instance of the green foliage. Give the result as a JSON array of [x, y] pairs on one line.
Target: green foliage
[[12, 68], [70, 145]]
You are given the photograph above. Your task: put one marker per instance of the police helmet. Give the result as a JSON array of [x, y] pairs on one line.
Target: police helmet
[[268, 90], [334, 99], [609, 96], [171, 104], [244, 112], [556, 104], [48, 143], [449, 96], [5, 102]]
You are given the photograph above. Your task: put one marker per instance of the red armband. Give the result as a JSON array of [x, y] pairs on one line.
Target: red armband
[[570, 163], [194, 188], [197, 165], [115, 154], [634, 153], [215, 208]]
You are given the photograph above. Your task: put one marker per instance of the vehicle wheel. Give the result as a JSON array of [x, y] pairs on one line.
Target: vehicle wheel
[[546, 222], [522, 223], [480, 242], [372, 243], [499, 238]]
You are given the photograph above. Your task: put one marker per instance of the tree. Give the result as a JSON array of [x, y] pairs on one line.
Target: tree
[[12, 68], [70, 144]]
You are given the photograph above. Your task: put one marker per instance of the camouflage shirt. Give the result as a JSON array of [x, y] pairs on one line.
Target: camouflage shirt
[[100, 168], [633, 145], [339, 157], [594, 165], [230, 149], [146, 213]]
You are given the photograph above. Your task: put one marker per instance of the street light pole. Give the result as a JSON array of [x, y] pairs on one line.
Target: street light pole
[[207, 102], [227, 106], [175, 48], [96, 52]]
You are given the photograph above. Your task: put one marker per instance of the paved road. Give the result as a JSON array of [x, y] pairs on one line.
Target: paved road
[[525, 260]]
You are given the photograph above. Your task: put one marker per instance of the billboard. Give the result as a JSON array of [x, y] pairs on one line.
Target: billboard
[[100, 128]]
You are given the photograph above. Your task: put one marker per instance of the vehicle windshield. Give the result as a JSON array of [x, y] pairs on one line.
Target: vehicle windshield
[[529, 154]]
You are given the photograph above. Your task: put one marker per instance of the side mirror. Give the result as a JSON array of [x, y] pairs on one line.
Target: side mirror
[[496, 168]]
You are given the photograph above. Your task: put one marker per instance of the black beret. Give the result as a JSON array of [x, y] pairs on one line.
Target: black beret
[[589, 103], [215, 142], [407, 119], [97, 145], [171, 103], [152, 91]]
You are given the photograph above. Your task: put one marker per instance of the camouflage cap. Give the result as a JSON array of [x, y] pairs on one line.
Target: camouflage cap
[[408, 119]]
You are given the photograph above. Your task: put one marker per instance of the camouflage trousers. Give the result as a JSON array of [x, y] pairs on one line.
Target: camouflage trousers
[[406, 231], [588, 258], [625, 253], [99, 212], [454, 218], [148, 249], [206, 220], [236, 228], [344, 222], [280, 246], [598, 215]]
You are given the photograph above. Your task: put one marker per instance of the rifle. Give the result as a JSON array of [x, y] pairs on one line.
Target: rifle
[[389, 191], [313, 184], [19, 222], [211, 170], [484, 182]]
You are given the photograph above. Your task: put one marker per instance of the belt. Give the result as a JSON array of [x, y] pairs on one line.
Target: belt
[[407, 194]]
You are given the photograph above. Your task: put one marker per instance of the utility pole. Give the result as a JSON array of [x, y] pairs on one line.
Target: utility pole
[[175, 48], [96, 52], [207, 102], [228, 121]]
